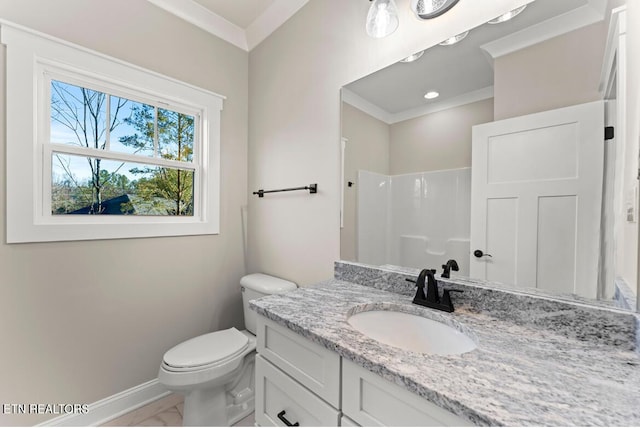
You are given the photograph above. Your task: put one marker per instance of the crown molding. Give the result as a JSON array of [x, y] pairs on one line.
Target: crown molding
[[580, 17], [373, 110], [434, 107], [272, 18], [203, 18]]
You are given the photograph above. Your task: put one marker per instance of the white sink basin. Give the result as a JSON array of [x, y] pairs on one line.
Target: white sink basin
[[411, 332]]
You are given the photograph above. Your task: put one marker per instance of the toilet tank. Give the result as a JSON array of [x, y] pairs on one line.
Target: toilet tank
[[259, 285]]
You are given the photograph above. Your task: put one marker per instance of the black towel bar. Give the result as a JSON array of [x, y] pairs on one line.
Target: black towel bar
[[312, 188]]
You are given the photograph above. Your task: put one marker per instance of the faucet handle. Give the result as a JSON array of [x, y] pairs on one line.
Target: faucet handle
[[422, 276], [420, 283], [448, 267], [432, 286], [420, 291], [446, 297]]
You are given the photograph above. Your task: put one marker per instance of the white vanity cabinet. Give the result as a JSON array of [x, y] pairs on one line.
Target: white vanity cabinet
[[298, 381], [371, 401], [281, 401], [295, 376]]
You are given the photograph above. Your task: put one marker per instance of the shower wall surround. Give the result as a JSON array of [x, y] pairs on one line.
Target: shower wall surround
[[415, 220]]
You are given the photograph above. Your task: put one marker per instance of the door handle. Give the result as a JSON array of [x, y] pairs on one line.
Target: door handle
[[479, 254]]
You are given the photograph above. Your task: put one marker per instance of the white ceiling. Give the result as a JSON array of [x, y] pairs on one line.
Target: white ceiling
[[463, 72], [244, 23]]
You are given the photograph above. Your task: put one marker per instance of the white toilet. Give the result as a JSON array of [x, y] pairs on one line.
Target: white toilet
[[215, 371]]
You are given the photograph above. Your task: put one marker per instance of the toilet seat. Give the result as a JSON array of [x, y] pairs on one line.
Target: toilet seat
[[216, 372], [206, 351]]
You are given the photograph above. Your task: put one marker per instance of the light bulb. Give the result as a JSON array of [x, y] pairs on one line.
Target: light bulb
[[455, 39], [431, 95], [428, 6], [507, 16], [382, 18], [429, 9], [413, 57]]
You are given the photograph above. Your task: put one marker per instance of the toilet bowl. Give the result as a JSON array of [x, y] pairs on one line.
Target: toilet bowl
[[215, 371]]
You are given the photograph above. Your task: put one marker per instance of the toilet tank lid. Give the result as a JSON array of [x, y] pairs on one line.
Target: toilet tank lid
[[267, 284]]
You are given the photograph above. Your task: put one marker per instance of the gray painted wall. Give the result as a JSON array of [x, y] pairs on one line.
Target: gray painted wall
[[559, 72], [367, 149], [440, 140], [84, 320], [295, 78]]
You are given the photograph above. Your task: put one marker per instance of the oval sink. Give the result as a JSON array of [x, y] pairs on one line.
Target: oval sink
[[412, 332]]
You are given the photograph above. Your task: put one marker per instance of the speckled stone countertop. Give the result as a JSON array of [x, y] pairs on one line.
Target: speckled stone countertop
[[537, 368]]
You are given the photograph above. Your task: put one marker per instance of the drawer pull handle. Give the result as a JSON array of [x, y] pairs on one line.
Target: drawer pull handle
[[286, 422]]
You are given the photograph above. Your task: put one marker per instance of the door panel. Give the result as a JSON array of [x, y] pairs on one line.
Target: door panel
[[536, 199], [502, 223], [535, 154], [556, 237]]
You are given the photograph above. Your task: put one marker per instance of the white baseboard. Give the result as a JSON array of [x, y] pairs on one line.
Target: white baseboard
[[111, 407]]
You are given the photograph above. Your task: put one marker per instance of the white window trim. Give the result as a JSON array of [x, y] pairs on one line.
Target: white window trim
[[29, 54]]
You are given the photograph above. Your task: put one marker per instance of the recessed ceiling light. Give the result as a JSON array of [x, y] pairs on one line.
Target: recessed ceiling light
[[455, 39], [413, 57], [507, 16], [431, 95]]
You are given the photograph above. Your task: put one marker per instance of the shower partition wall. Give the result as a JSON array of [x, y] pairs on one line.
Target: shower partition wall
[[416, 220]]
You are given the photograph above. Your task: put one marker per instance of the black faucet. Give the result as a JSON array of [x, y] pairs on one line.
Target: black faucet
[[451, 265], [432, 298]]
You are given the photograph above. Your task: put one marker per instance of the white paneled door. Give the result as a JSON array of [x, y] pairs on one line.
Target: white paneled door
[[536, 199]]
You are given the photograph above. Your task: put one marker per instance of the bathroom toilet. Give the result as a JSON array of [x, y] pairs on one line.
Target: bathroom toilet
[[215, 371]]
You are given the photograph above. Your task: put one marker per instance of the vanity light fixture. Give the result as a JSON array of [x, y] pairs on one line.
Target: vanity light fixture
[[507, 16], [455, 39], [413, 57], [431, 95], [382, 19], [428, 9]]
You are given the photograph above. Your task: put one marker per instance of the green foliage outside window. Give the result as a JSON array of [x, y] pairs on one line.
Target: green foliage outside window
[[90, 185]]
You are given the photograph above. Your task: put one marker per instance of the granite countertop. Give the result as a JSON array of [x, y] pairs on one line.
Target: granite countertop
[[520, 374]]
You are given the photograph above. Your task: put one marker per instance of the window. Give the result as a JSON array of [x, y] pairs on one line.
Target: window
[[111, 155], [100, 149]]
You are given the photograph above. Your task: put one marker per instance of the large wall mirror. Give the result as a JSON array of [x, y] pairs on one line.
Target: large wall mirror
[[490, 149]]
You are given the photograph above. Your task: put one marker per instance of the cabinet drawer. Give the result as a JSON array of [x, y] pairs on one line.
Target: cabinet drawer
[[315, 367], [276, 393], [370, 400]]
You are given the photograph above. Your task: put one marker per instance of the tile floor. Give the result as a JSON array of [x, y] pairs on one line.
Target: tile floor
[[166, 412]]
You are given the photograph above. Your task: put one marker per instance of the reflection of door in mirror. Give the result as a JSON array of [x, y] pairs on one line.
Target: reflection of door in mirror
[[537, 197], [403, 148]]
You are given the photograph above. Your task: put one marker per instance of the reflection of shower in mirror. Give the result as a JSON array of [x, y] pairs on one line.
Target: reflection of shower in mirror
[[414, 220]]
